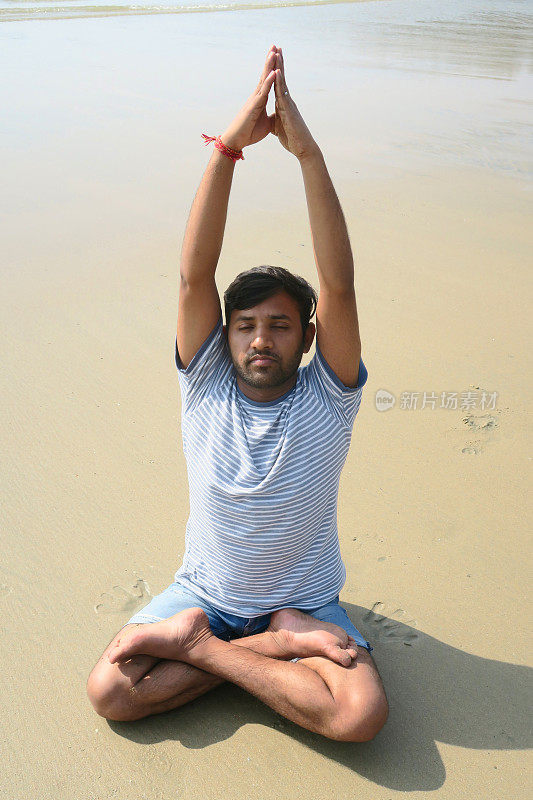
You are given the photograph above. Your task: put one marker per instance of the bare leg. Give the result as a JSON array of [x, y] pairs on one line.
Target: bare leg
[[316, 693], [146, 684], [149, 684]]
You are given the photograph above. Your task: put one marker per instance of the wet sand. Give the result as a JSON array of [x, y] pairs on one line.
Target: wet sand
[[422, 116]]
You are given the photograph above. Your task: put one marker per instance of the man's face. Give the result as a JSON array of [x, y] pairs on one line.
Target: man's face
[[272, 329]]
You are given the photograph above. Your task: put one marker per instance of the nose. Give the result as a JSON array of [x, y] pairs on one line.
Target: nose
[[262, 341]]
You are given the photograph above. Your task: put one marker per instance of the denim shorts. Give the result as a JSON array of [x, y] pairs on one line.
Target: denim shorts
[[226, 626]]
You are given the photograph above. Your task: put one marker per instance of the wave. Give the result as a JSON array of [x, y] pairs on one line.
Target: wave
[[16, 11]]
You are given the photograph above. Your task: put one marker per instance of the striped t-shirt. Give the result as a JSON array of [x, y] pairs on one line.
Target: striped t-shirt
[[263, 482]]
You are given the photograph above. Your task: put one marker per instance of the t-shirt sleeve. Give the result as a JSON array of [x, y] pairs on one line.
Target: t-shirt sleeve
[[343, 401], [208, 367]]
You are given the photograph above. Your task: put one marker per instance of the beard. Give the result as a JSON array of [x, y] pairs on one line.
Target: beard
[[275, 374]]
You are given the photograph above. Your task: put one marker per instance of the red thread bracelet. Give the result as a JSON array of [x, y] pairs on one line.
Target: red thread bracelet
[[235, 155]]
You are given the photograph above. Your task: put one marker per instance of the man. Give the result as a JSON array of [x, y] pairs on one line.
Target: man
[[256, 600]]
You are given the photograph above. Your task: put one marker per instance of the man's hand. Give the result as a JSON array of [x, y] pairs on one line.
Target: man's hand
[[252, 122], [289, 126]]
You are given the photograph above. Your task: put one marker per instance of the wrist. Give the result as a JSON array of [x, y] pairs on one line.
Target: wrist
[[313, 155], [231, 141], [231, 153], [222, 158]]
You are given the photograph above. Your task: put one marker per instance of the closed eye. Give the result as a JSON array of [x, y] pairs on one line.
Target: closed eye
[[279, 327]]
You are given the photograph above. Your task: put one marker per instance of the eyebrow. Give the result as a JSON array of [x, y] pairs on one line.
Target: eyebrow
[[269, 316]]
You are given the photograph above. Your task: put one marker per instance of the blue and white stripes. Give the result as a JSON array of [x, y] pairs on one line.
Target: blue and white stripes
[[263, 481]]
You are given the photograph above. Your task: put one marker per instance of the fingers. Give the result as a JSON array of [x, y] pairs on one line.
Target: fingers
[[267, 83], [280, 57], [269, 65], [281, 85]]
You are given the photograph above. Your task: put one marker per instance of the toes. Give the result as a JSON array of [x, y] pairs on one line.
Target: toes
[[121, 651], [114, 655], [340, 656], [345, 658], [346, 655]]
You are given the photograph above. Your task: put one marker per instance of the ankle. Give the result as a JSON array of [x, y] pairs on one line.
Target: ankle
[[267, 644]]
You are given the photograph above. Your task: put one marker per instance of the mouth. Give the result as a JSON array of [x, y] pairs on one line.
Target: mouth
[[262, 361]]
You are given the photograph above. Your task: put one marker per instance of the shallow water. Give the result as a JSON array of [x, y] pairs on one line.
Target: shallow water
[[398, 81], [48, 9]]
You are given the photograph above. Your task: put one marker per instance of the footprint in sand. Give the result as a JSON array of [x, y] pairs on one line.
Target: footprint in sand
[[483, 422], [391, 629], [473, 448], [483, 425], [122, 601]]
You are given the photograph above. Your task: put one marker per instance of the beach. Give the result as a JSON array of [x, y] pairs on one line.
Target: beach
[[423, 113]]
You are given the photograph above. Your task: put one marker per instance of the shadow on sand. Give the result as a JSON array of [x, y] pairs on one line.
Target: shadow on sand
[[436, 693]]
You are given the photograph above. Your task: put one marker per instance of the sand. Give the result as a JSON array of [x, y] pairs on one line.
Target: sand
[[425, 140]]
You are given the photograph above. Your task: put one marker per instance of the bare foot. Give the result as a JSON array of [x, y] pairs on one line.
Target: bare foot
[[171, 638], [302, 635]]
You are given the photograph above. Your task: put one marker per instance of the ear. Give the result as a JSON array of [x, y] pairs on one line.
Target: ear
[[309, 336]]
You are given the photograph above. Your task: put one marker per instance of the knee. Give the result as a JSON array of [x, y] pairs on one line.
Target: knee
[[361, 720], [108, 699]]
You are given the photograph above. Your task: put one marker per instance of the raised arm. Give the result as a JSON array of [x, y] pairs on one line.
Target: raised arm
[[199, 304], [337, 322]]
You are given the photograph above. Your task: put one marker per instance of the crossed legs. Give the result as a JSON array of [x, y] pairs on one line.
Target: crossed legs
[[334, 690]]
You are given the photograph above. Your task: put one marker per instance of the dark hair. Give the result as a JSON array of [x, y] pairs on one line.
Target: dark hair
[[250, 288]]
